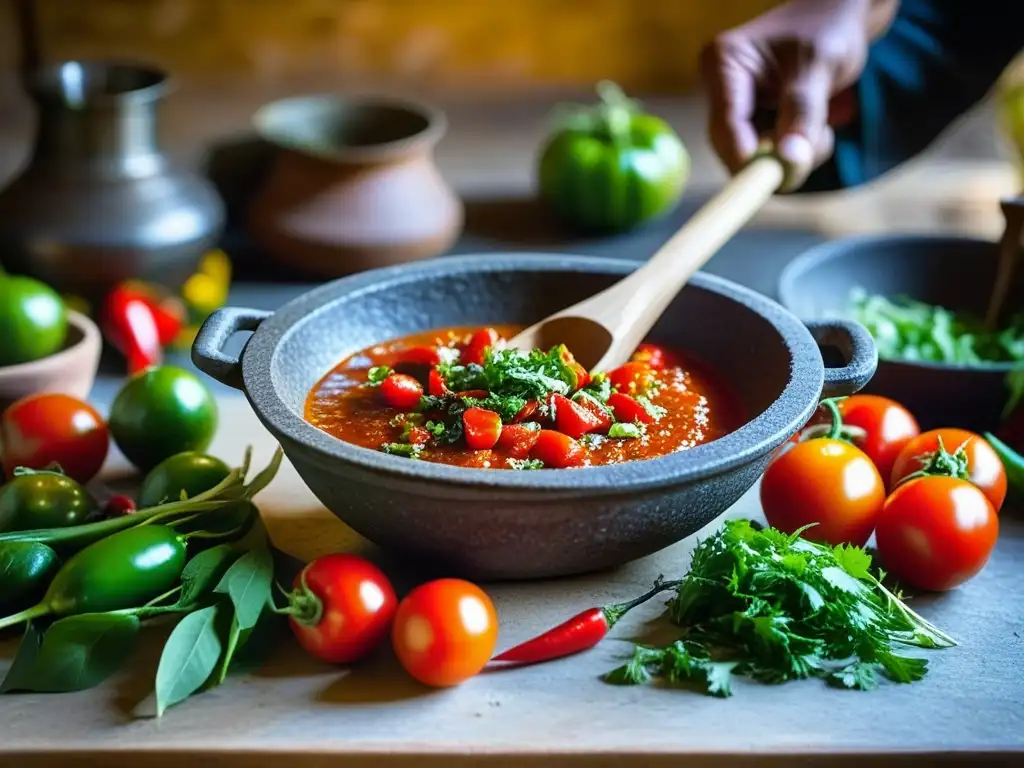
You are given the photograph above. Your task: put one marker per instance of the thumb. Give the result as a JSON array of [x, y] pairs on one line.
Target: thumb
[[803, 138]]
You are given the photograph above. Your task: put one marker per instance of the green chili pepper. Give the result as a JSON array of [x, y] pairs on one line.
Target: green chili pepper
[[25, 569], [122, 571], [1012, 461]]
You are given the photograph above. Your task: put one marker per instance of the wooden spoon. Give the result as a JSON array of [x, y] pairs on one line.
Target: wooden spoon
[[603, 330], [1009, 254]]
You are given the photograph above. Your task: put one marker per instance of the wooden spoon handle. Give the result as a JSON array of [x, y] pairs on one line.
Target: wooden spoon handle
[[1009, 252], [634, 304]]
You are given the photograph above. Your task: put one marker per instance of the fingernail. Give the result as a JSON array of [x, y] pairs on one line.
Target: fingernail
[[796, 150]]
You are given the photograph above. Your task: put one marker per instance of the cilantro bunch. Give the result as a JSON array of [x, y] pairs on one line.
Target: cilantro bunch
[[776, 607]]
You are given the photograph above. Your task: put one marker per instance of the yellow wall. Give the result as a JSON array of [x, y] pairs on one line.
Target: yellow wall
[[643, 44]]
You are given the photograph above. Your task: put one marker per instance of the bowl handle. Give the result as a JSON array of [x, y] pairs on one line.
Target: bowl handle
[[208, 348], [857, 348]]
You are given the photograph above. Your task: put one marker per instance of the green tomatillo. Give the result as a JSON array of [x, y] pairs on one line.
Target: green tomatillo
[[33, 320], [611, 166]]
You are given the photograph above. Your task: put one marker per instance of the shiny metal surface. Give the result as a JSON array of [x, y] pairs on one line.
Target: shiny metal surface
[[99, 201]]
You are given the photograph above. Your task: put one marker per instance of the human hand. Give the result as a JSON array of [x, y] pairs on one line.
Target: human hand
[[795, 60]]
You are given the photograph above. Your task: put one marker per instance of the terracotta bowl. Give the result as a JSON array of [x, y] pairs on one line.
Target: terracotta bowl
[[353, 185], [71, 371]]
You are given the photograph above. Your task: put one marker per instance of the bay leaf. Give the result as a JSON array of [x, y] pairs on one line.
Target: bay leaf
[[189, 657], [28, 650], [79, 652], [247, 582], [204, 571]]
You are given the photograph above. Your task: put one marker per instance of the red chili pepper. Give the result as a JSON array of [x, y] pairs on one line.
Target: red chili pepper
[[130, 325], [581, 632]]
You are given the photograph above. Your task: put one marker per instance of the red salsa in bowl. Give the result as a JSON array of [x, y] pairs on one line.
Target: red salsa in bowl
[[458, 396]]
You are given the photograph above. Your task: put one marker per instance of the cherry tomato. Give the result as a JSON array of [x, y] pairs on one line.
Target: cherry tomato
[[657, 357], [557, 451], [478, 345], [435, 383], [889, 427], [633, 378], [628, 409], [40, 429], [573, 419], [401, 391], [342, 607], [481, 427], [517, 440], [824, 481], [598, 412], [419, 356], [984, 468], [445, 632], [935, 533], [526, 411]]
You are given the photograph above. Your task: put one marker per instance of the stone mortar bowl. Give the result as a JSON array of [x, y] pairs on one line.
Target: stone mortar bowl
[[501, 524]]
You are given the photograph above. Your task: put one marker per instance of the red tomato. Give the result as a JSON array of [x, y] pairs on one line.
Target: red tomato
[[526, 411], [435, 383], [445, 632], [573, 419], [420, 356], [828, 482], [633, 378], [656, 357], [984, 467], [935, 533], [628, 409], [40, 429], [481, 427], [557, 451], [889, 427], [603, 417], [344, 608], [479, 343], [401, 391], [476, 394], [517, 440]]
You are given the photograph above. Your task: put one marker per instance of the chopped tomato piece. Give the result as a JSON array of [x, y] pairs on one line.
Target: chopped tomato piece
[[526, 411], [582, 377], [435, 383], [601, 414], [557, 451], [401, 391], [633, 378], [657, 357], [573, 419], [482, 428], [479, 343], [476, 394], [419, 356], [518, 439], [418, 435], [628, 409]]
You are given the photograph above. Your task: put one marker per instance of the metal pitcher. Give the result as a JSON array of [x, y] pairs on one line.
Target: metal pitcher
[[99, 201]]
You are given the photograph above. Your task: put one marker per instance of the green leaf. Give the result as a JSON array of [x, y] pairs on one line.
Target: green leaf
[[233, 641], [841, 579], [19, 673], [376, 375], [854, 560], [254, 645], [79, 652], [204, 571], [718, 675], [189, 657], [857, 675], [247, 582]]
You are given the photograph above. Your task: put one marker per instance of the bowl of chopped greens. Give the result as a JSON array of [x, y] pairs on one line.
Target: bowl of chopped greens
[[921, 297]]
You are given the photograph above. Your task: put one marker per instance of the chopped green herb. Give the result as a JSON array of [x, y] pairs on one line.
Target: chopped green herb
[[406, 450], [524, 464], [402, 419], [599, 388], [585, 396], [623, 430], [436, 429], [513, 373], [376, 375], [592, 440], [906, 329], [774, 607], [448, 355]]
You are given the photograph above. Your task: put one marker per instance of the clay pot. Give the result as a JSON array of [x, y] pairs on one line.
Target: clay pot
[[353, 186]]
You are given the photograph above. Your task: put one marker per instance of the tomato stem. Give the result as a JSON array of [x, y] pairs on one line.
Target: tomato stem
[[831, 405], [942, 463], [614, 112], [303, 604]]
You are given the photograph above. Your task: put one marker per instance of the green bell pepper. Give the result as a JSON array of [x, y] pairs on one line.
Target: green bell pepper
[[610, 167]]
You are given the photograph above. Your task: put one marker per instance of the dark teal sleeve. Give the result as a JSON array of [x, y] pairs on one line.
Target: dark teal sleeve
[[938, 59]]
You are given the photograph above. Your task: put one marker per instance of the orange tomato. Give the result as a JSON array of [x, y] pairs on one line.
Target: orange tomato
[[445, 632]]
